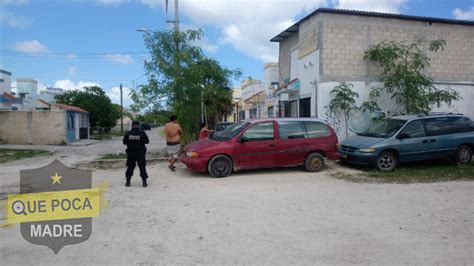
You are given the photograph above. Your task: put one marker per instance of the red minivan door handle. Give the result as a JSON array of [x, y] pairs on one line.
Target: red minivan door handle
[[271, 145]]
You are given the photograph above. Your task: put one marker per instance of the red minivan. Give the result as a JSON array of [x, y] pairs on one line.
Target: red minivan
[[263, 143]]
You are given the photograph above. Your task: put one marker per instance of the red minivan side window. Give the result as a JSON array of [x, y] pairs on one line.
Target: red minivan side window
[[316, 129], [261, 131], [291, 130]]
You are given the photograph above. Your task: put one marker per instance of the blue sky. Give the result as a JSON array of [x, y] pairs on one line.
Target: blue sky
[[74, 43]]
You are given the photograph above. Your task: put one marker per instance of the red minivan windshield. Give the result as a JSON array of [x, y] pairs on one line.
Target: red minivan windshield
[[229, 132]]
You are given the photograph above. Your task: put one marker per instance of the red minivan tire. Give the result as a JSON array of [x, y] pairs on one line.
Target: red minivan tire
[[220, 166], [314, 162]]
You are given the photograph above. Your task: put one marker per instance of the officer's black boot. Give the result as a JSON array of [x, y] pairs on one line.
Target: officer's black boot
[[145, 184], [127, 184]]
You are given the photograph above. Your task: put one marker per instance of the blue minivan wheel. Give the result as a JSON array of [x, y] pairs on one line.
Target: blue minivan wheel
[[387, 161], [463, 154]]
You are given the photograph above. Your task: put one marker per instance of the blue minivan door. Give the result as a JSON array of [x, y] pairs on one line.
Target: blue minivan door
[[415, 145], [443, 135]]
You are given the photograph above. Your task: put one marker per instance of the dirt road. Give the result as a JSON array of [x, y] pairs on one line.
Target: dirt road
[[258, 217], [266, 217]]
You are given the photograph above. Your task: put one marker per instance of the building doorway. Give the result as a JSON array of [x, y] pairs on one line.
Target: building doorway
[[305, 107]]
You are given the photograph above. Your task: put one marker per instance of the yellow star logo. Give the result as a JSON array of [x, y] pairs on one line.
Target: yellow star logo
[[56, 178]]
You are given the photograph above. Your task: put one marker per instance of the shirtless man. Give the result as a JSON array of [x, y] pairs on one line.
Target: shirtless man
[[173, 133]]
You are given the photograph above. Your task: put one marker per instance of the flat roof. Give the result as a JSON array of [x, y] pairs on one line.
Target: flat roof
[[5, 72], [295, 27]]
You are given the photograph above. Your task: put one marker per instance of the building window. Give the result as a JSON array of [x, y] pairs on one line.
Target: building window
[[253, 113], [242, 115], [305, 107], [270, 112]]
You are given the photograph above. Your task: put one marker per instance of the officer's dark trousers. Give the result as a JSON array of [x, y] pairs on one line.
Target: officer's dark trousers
[[133, 158]]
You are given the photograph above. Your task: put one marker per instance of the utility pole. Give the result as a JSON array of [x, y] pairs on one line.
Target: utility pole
[[121, 108], [202, 108], [176, 15]]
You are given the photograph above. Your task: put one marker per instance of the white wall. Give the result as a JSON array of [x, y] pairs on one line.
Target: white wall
[[294, 65], [6, 85], [389, 105], [464, 106], [308, 71], [271, 74]]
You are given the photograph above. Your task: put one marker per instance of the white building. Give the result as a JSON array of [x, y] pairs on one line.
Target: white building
[[5, 81], [27, 90], [327, 47]]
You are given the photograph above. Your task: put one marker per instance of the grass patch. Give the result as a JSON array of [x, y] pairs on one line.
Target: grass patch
[[114, 156], [413, 172], [106, 136], [7, 155]]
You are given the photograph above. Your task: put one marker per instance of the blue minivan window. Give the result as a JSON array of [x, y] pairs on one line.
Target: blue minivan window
[[414, 129], [383, 128]]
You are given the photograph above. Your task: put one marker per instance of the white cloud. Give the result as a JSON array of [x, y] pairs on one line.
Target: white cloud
[[71, 56], [114, 95], [204, 43], [248, 25], [111, 2], [465, 15], [71, 70], [124, 59], [67, 84], [13, 20], [30, 47], [41, 86], [388, 6], [156, 3]]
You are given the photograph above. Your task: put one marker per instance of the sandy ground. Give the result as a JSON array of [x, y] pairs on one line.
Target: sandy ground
[[264, 217]]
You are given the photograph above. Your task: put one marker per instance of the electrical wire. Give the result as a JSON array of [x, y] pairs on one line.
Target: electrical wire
[[75, 55]]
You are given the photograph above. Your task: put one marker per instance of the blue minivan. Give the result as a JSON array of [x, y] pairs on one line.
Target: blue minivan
[[411, 138]]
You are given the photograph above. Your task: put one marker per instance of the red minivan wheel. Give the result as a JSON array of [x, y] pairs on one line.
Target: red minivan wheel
[[220, 166], [314, 162]]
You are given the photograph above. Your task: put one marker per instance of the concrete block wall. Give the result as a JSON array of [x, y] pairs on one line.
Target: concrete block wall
[[33, 127], [347, 37]]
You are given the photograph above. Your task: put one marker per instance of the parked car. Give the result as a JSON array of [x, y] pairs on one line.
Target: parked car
[[263, 143], [391, 141], [145, 126], [221, 126]]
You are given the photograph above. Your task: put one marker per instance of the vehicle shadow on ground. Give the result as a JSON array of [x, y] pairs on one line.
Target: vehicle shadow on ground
[[266, 171]]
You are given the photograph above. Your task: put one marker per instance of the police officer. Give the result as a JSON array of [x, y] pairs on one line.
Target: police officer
[[135, 140]]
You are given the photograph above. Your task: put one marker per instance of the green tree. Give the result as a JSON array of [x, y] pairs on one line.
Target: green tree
[[180, 76], [404, 77], [94, 100], [343, 101]]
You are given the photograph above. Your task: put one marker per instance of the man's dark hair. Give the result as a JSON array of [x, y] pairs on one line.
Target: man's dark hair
[[173, 118], [202, 124], [135, 124]]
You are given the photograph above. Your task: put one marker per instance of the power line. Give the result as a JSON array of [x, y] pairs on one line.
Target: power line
[[75, 55]]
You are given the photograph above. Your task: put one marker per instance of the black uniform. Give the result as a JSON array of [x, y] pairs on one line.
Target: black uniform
[[135, 140]]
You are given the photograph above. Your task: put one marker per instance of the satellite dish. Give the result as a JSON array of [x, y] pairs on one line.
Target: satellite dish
[[360, 120]]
